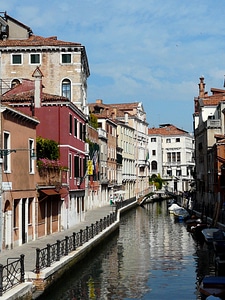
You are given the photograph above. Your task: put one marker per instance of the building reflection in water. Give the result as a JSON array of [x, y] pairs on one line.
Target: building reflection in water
[[151, 257]]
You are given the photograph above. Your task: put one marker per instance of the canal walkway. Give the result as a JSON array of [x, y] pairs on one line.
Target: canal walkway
[[29, 249]]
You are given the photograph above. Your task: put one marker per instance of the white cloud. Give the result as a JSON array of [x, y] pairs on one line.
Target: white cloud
[[151, 51]]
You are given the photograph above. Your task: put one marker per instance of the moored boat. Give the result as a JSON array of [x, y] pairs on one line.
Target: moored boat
[[196, 232], [212, 234], [180, 214], [193, 221], [173, 207], [213, 286]]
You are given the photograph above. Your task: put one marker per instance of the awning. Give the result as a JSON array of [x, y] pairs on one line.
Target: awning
[[52, 192]]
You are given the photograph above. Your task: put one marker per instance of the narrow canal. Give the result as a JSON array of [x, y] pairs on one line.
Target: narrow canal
[[151, 257]]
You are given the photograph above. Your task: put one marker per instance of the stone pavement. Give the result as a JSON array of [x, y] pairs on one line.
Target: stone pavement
[[29, 249]]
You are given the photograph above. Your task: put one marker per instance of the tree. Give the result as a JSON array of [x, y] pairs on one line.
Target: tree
[[157, 181]]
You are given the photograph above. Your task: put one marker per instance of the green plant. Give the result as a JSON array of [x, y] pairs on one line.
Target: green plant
[[48, 155], [46, 148], [93, 121]]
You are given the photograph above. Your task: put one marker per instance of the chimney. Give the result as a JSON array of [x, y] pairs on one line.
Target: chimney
[[201, 87], [37, 87], [99, 101]]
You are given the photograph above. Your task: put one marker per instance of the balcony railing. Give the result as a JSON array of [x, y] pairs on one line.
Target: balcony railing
[[102, 133]]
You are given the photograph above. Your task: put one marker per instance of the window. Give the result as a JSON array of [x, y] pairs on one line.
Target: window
[[35, 59], [70, 124], [153, 140], [66, 88], [169, 172], [75, 127], [177, 140], [168, 140], [173, 156], [84, 132], [81, 131], [169, 157], [153, 152], [14, 83], [70, 165], [76, 166], [66, 58], [178, 172], [81, 167], [84, 166], [154, 165], [16, 59], [6, 142], [31, 156]]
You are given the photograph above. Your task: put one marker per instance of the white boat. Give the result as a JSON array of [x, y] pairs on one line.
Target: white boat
[[173, 207]]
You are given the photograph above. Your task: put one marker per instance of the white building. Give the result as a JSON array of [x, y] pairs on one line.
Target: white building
[[171, 155]]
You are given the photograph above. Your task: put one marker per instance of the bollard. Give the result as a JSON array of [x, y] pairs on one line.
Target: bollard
[[58, 250], [37, 260], [87, 233], [81, 237], [48, 255], [92, 230], [74, 240], [66, 246], [22, 273]]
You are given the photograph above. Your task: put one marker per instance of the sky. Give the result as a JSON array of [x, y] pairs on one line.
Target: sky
[[150, 51]]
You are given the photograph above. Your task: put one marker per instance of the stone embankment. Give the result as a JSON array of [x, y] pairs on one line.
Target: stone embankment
[[36, 283]]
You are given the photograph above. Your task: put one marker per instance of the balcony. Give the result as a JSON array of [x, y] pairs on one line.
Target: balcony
[[102, 133], [208, 124], [49, 176]]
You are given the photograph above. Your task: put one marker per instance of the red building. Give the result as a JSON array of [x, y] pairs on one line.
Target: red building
[[61, 201]]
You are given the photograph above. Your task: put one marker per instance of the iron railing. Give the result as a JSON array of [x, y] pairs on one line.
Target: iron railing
[[52, 253], [11, 274]]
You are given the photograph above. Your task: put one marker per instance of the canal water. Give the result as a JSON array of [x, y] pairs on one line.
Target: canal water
[[151, 257]]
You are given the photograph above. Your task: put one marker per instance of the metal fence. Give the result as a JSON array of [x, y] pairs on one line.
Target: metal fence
[[11, 274], [52, 253]]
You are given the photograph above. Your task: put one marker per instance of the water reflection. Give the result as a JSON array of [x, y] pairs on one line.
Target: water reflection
[[152, 257]]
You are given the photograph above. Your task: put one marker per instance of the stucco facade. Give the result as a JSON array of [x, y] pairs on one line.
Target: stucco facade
[[171, 155], [64, 64], [18, 189]]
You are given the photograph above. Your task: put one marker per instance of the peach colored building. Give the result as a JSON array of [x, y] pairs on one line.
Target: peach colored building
[[18, 190]]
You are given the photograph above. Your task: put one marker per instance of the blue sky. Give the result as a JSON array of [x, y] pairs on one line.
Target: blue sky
[[149, 51]]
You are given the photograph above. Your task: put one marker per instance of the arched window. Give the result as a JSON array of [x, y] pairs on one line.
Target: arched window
[[14, 83], [66, 88], [154, 165]]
